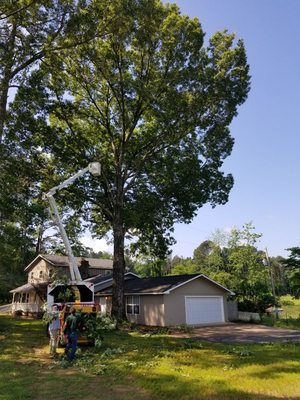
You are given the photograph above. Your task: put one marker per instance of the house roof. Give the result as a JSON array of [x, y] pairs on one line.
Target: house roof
[[99, 278], [103, 278], [28, 287], [101, 282], [158, 285], [63, 261]]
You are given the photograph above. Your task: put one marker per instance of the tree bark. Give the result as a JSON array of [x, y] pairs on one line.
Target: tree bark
[[3, 104], [118, 309]]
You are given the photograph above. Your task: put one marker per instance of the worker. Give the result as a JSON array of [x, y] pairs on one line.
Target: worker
[[54, 329], [71, 330]]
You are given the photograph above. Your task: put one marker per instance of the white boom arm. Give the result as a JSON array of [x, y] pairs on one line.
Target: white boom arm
[[95, 169]]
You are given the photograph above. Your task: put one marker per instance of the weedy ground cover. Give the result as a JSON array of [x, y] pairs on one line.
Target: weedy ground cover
[[290, 307], [289, 316], [136, 364]]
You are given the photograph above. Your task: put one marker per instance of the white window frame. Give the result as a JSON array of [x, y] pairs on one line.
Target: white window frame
[[133, 302]]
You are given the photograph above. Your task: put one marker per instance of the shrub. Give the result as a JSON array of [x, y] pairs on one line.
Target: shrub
[[96, 326], [288, 300], [17, 313], [257, 304]]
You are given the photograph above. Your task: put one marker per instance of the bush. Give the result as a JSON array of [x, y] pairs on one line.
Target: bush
[[17, 313], [96, 326], [257, 304], [288, 300]]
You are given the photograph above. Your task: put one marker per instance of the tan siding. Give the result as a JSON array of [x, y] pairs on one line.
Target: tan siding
[[151, 311], [39, 273], [175, 301], [44, 266]]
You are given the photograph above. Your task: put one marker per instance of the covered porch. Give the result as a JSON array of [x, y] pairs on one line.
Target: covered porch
[[29, 299]]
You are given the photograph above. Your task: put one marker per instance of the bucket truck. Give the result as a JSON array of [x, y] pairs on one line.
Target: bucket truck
[[82, 293]]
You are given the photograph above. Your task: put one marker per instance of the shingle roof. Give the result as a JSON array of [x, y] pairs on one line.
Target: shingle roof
[[62, 261], [101, 282], [28, 287], [99, 278], [158, 285]]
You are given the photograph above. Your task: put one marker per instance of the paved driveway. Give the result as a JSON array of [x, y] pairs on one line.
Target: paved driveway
[[242, 333]]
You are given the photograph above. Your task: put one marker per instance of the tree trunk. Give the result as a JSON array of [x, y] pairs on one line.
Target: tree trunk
[[118, 309], [3, 104], [39, 242]]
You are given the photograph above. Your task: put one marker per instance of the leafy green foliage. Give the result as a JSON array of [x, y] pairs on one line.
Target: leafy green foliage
[[146, 266], [49, 316], [16, 252], [234, 261], [183, 266], [292, 265], [142, 95], [258, 302], [95, 326], [29, 31]]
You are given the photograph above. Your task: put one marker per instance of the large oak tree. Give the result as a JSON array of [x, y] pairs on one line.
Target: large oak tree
[[149, 101]]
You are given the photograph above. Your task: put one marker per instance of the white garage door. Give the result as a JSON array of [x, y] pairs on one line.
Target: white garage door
[[204, 310]]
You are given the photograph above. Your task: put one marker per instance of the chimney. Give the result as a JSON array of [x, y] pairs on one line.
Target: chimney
[[84, 268]]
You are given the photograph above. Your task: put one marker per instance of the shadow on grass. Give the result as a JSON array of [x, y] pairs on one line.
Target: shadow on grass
[[21, 337], [165, 366], [160, 365], [177, 388]]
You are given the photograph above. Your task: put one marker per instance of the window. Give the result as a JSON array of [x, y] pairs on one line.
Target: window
[[41, 274], [50, 274], [32, 275], [24, 298], [133, 304]]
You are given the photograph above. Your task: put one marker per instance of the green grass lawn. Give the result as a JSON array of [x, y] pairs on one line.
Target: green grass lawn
[[289, 317], [135, 365], [290, 307]]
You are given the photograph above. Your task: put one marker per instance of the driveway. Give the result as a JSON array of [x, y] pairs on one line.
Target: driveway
[[241, 333]]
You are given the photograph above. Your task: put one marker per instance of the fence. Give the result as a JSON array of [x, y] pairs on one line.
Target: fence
[[232, 311]]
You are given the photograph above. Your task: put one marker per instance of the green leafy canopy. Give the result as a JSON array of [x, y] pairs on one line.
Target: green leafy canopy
[[142, 95], [149, 101]]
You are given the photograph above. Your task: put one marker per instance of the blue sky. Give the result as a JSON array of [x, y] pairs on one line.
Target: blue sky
[[265, 161]]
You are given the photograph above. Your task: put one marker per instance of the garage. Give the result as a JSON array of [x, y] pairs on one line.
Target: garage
[[204, 310], [170, 300]]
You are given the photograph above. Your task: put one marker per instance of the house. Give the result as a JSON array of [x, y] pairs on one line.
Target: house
[[31, 297], [167, 300], [156, 301]]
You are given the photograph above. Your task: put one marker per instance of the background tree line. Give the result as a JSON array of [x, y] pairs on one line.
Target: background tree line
[[234, 260]]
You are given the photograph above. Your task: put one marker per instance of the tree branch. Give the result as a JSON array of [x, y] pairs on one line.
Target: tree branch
[[16, 11]]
